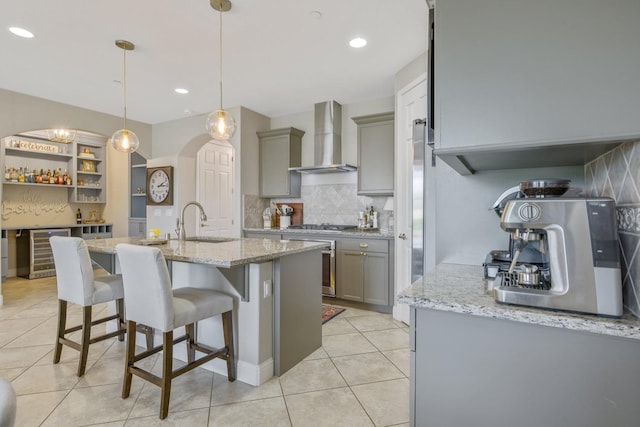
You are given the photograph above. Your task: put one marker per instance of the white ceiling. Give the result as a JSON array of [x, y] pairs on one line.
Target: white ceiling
[[278, 58]]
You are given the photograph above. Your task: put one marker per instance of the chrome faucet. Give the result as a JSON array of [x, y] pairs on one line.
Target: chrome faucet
[[180, 223]]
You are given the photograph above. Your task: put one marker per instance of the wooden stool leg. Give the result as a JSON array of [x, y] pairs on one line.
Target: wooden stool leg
[[128, 361], [62, 324], [84, 342], [227, 326], [167, 373], [120, 312], [149, 335], [191, 338]]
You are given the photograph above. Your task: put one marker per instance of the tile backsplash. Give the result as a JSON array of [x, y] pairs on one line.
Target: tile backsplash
[[329, 203], [616, 174]]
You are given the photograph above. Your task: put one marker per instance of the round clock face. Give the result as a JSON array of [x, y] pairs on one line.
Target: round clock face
[[159, 186]]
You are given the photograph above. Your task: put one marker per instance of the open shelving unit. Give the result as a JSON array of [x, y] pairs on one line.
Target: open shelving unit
[[138, 195], [83, 159]]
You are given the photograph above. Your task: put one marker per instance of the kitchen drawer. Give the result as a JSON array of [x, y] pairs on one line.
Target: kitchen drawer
[[364, 245]]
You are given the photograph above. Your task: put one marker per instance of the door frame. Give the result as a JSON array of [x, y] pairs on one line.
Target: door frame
[[403, 195]]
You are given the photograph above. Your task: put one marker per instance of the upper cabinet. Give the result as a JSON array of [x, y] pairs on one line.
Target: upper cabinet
[[520, 84], [375, 153], [280, 149]]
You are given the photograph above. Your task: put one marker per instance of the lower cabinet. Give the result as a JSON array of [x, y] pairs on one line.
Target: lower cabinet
[[363, 267], [137, 227], [258, 235]]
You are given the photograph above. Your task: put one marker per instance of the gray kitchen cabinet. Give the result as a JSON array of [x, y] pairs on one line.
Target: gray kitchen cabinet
[[375, 153], [468, 370], [517, 86], [280, 149], [363, 266]]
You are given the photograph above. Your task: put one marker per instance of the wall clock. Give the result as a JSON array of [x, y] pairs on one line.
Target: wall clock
[[160, 186]]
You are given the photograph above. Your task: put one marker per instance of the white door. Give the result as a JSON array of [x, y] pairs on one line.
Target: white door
[[215, 188], [411, 104]]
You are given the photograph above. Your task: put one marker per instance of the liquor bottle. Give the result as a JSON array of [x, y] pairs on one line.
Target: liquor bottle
[[7, 173], [21, 175], [78, 217], [37, 177], [371, 216]]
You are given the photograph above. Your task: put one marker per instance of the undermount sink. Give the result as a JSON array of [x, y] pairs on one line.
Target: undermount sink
[[210, 239]]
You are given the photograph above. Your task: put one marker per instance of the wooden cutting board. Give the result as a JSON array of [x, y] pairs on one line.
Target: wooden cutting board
[[296, 217]]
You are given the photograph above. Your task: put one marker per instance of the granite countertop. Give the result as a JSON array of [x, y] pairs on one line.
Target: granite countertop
[[461, 289], [352, 233], [224, 254]]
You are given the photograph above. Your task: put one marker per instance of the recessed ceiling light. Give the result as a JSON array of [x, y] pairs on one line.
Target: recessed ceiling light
[[316, 14], [181, 91], [21, 32], [358, 42]]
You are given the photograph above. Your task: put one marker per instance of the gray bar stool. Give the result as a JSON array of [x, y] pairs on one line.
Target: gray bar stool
[[149, 299], [77, 284]]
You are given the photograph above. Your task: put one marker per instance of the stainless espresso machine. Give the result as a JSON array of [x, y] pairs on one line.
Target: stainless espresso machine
[[570, 256]]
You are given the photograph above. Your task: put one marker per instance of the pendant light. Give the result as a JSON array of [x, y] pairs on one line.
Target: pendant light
[[220, 124], [125, 140]]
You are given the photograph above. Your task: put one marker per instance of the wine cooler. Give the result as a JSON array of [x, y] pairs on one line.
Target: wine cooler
[[35, 258]]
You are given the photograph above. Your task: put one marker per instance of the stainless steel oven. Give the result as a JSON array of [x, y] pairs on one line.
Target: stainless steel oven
[[328, 265]]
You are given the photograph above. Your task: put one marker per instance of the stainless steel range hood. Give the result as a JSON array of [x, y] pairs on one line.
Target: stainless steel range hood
[[327, 143]]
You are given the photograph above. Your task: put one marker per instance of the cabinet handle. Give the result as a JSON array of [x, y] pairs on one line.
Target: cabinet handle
[[402, 236], [364, 245]]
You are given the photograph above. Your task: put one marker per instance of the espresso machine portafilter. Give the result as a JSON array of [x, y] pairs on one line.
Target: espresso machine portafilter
[[577, 239]]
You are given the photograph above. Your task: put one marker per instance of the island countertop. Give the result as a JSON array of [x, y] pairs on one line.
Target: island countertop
[[460, 289], [225, 254]]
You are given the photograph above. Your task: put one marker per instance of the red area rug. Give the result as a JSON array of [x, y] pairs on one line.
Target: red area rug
[[329, 312]]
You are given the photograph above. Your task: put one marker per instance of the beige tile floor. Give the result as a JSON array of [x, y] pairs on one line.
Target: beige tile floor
[[358, 378]]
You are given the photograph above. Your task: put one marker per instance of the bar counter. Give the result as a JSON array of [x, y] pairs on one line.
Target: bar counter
[[277, 291]]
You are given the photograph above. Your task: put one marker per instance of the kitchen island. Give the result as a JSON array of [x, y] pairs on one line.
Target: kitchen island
[[477, 362], [277, 296]]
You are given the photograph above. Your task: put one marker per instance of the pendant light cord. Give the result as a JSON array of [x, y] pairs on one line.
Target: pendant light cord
[[124, 85], [220, 13]]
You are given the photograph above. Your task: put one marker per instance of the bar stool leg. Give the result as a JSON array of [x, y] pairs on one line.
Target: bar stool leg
[[167, 371], [86, 336], [227, 326], [191, 338], [149, 335], [128, 362], [62, 324], [120, 312]]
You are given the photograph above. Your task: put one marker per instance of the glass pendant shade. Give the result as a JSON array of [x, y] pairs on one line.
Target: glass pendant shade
[[220, 125], [124, 140]]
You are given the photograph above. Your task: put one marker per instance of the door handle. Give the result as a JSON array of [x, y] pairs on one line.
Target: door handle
[[402, 236]]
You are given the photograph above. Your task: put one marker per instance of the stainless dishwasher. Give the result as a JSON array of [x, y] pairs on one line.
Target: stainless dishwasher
[[35, 258]]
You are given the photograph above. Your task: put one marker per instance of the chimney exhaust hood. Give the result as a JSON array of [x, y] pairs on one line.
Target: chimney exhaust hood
[[327, 142]]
